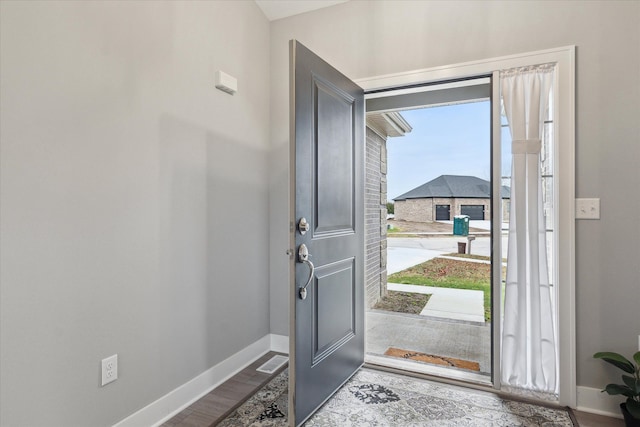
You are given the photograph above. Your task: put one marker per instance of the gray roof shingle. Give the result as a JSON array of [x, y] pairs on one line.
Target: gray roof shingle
[[454, 186]]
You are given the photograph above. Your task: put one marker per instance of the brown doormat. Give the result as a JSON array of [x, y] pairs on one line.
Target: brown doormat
[[432, 358]]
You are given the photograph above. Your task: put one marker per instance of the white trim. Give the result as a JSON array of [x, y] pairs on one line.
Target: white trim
[[185, 395], [375, 130], [592, 400], [398, 122], [445, 375], [440, 86], [387, 124], [564, 57], [280, 343], [464, 69], [564, 119], [496, 229]]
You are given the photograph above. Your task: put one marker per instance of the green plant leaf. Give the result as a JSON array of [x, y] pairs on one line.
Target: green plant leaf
[[616, 360], [633, 407], [632, 383], [614, 389], [636, 357]]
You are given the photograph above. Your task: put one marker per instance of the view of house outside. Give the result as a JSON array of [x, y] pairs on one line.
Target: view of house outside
[[439, 170]]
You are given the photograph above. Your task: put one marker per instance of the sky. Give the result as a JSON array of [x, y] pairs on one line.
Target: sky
[[447, 140]]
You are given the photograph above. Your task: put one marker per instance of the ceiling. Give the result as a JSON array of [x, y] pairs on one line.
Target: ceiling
[[277, 9]]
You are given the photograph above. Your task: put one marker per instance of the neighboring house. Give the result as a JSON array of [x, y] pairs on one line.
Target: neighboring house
[[446, 196]]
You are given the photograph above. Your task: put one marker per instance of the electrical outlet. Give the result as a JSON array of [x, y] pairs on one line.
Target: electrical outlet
[[109, 369]]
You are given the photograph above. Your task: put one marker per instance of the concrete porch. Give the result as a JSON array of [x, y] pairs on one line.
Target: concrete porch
[[442, 337]]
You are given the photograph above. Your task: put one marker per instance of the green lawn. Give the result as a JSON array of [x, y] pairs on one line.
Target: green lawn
[[448, 273], [393, 229]]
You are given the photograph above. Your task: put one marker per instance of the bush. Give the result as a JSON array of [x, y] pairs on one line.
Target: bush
[[390, 207]]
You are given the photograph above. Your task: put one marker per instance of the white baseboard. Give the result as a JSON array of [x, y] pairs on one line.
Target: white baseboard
[[594, 401], [175, 401], [589, 399], [280, 343]]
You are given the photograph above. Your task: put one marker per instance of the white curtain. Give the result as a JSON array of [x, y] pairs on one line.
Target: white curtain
[[528, 342]]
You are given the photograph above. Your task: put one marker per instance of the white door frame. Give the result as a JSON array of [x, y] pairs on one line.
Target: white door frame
[[564, 184]]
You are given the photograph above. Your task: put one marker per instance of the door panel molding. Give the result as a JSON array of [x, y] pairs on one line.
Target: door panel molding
[[340, 320], [333, 192]]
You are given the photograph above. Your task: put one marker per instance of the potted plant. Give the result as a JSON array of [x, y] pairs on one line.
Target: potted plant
[[630, 388]]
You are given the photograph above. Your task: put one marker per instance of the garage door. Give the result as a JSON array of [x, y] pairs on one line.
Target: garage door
[[442, 212], [474, 211]]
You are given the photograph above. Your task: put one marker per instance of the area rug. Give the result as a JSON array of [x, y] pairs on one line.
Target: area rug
[[375, 398], [432, 358]]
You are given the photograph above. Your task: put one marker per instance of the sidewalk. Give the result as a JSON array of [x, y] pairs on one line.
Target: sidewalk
[[445, 303], [399, 259]]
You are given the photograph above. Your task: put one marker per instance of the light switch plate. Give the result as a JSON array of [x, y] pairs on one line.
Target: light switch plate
[[587, 208]]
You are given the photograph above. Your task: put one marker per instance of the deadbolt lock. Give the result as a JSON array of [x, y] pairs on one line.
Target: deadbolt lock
[[303, 226]]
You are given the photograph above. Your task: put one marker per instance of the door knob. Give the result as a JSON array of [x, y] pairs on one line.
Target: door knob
[[303, 257]]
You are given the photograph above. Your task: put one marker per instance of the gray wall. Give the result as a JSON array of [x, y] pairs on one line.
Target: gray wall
[[364, 39], [126, 178]]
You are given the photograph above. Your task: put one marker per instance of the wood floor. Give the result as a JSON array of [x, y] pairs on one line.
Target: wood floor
[[220, 402], [586, 419]]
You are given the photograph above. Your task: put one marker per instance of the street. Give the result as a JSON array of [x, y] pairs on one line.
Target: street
[[405, 252]]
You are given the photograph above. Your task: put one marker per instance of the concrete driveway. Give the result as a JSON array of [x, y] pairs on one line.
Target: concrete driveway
[[405, 252]]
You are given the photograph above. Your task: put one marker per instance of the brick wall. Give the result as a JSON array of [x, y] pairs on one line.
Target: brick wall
[[419, 210], [375, 218], [424, 210]]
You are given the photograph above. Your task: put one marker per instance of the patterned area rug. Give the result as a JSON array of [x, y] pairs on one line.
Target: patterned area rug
[[375, 398], [432, 358]]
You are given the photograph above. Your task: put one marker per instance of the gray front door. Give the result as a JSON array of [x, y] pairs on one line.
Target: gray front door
[[327, 143]]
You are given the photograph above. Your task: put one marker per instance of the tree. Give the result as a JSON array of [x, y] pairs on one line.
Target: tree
[[390, 207]]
